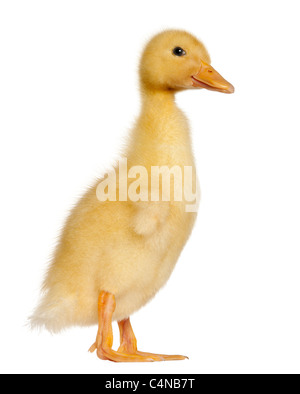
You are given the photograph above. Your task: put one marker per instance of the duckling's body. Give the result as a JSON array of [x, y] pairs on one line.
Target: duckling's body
[[114, 245], [120, 253]]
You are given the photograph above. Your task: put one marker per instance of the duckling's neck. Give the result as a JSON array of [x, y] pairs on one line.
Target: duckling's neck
[[158, 109], [161, 132], [152, 98]]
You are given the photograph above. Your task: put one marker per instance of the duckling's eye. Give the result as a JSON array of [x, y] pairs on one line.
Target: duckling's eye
[[178, 51]]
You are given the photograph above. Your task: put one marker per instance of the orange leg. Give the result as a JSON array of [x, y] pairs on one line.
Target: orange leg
[[104, 339], [127, 351], [129, 344]]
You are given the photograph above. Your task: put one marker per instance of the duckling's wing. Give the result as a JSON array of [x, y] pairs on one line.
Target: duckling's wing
[[148, 216]]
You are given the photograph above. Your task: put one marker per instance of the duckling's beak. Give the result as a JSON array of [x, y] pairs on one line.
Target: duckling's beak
[[209, 78]]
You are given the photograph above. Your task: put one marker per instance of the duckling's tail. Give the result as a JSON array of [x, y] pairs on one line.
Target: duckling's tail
[[53, 314]]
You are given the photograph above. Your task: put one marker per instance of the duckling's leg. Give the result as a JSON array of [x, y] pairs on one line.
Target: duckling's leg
[[129, 344], [104, 340]]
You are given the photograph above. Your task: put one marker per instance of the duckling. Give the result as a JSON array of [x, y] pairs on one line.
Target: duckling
[[115, 254]]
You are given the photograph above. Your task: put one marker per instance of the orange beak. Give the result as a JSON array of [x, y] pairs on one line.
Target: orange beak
[[209, 78]]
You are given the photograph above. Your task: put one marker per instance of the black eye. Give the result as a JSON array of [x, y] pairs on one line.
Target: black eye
[[178, 51]]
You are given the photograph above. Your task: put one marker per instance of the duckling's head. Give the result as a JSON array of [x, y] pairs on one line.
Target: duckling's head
[[176, 60]]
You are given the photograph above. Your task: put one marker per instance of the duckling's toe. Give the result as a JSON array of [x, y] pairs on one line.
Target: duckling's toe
[[162, 357], [112, 355], [121, 356]]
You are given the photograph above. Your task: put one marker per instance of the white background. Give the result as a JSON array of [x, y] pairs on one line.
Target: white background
[[69, 94]]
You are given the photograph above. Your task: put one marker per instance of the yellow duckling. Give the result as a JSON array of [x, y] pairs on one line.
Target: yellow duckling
[[113, 256]]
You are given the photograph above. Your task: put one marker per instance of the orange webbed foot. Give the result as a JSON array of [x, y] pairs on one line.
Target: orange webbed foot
[[129, 344], [127, 351]]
